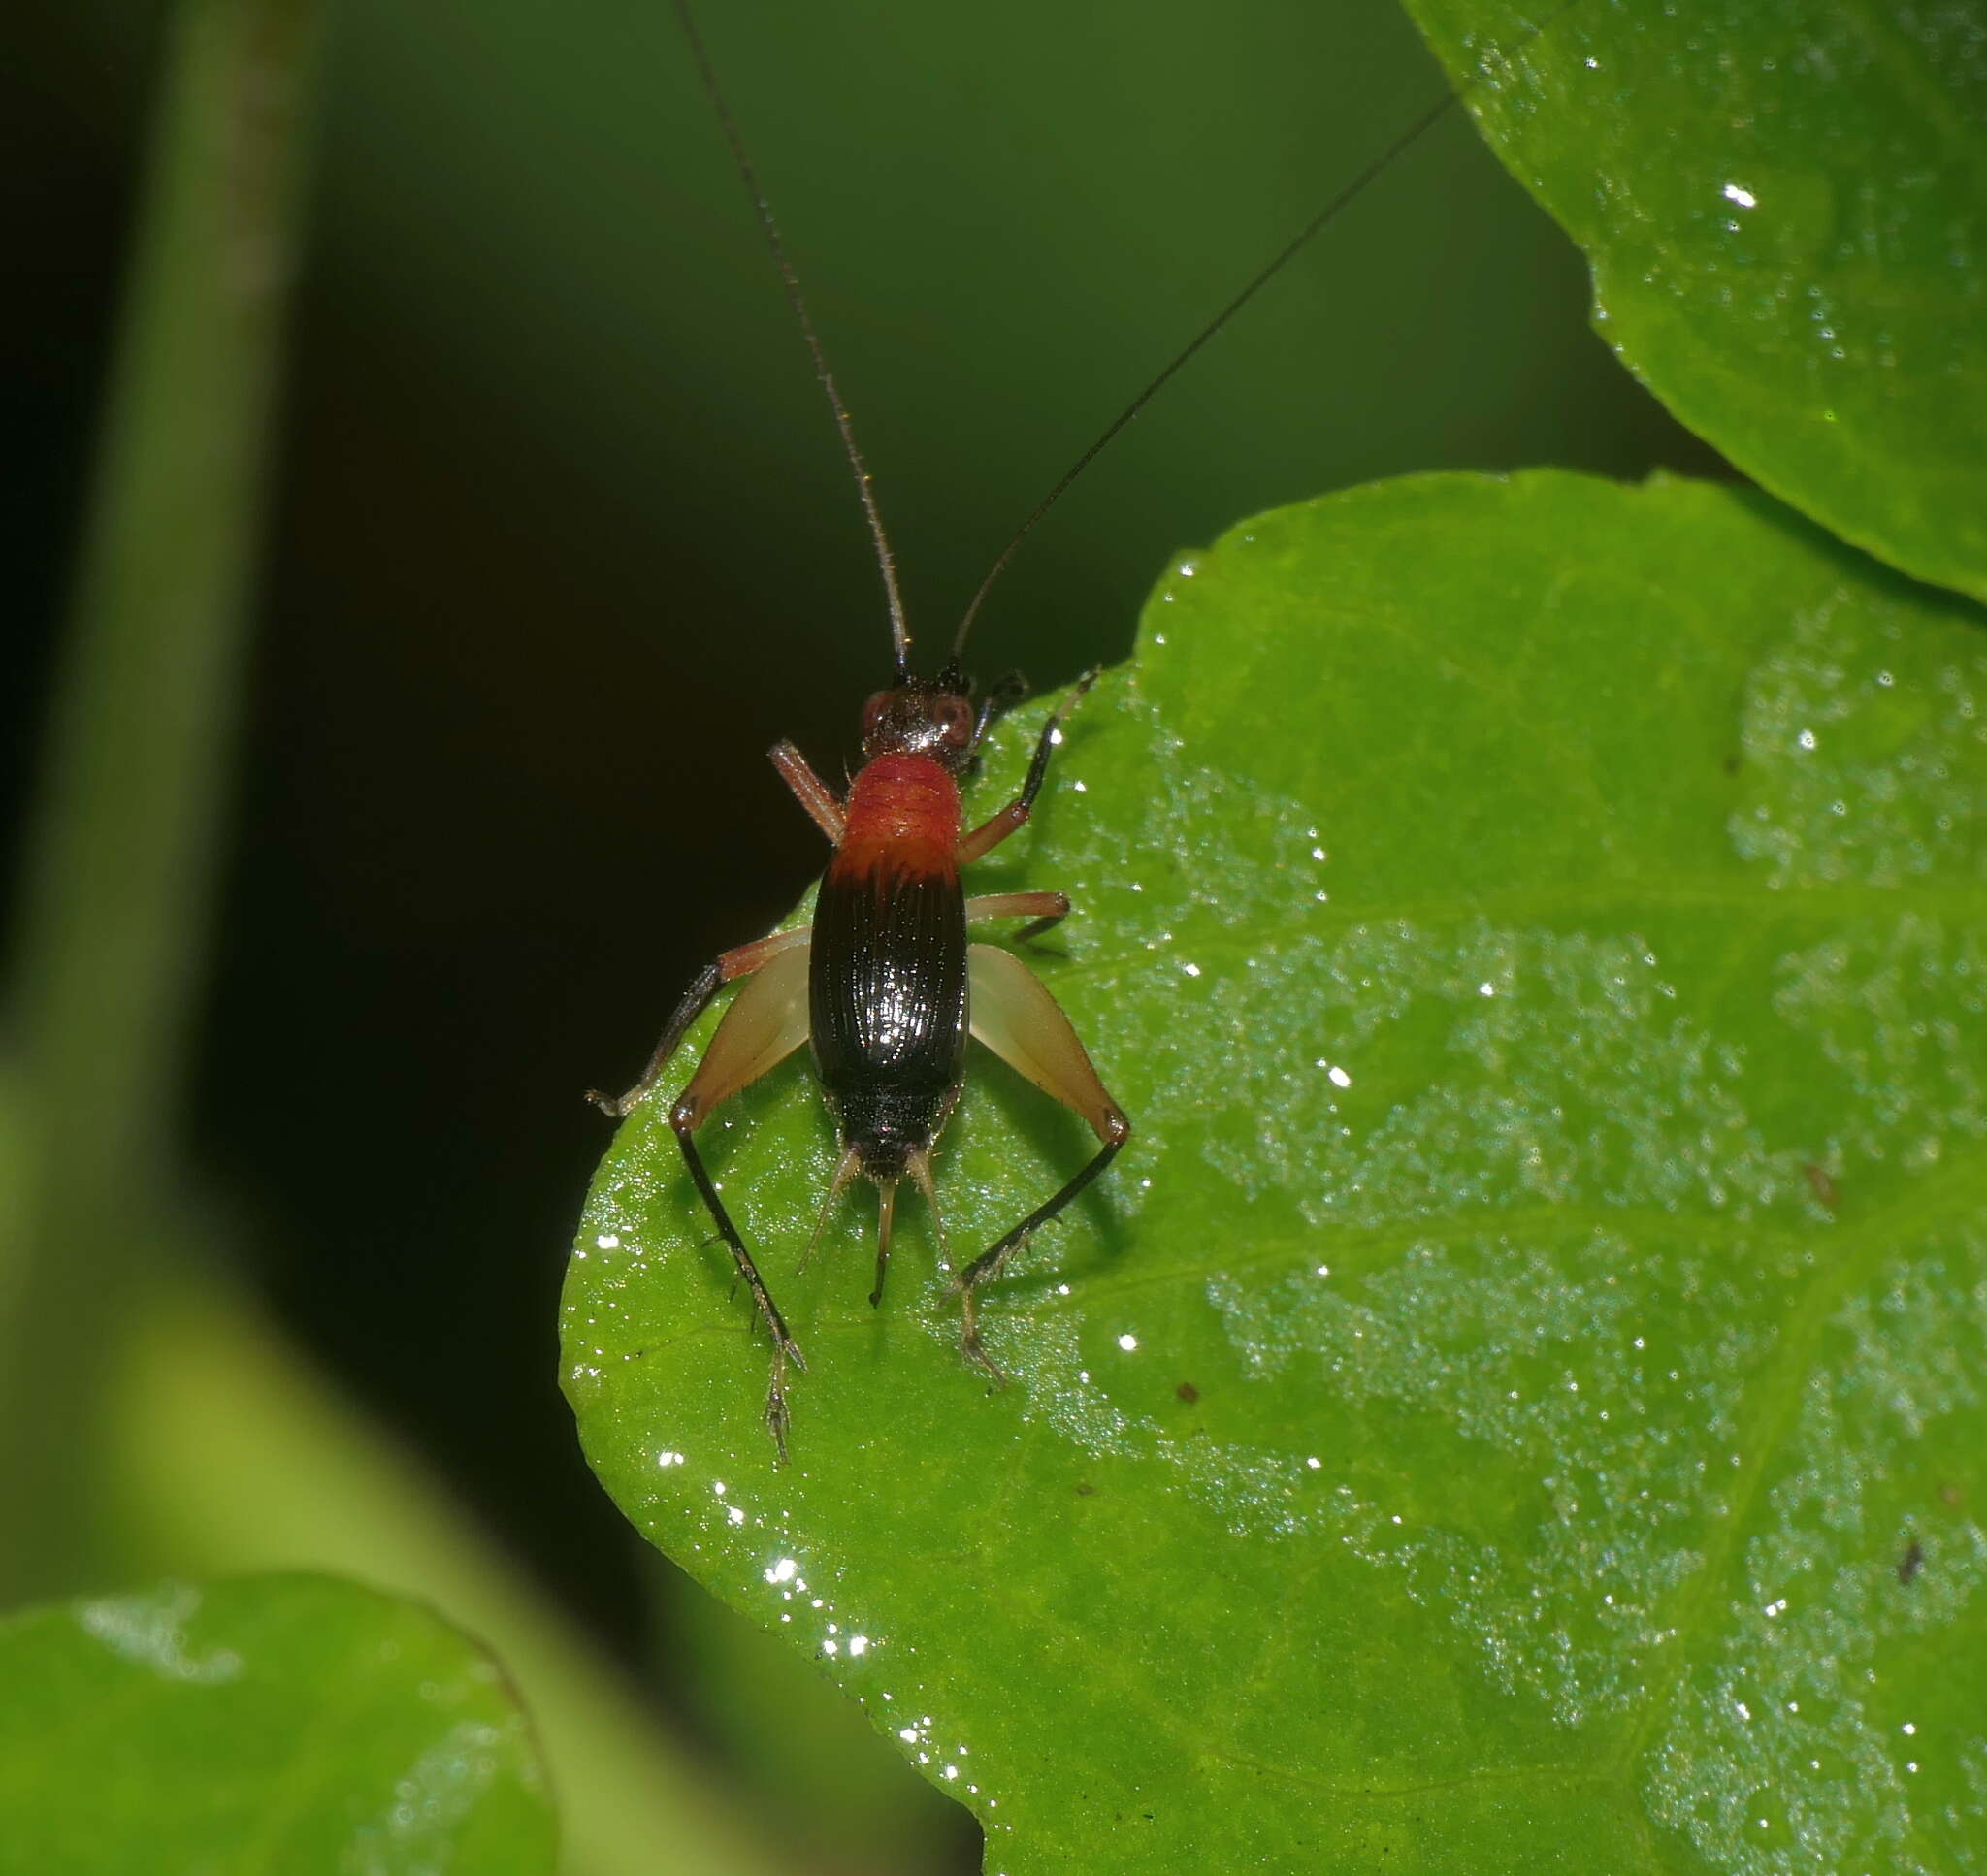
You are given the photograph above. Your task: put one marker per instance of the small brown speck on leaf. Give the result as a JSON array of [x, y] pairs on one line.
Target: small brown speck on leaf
[[1911, 1561], [1187, 1392]]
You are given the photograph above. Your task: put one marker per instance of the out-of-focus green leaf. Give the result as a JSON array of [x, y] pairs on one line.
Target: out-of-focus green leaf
[[1484, 1420], [227, 1452], [1784, 203], [299, 1724], [105, 959]]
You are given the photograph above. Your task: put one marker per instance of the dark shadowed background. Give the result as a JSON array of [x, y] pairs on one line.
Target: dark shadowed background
[[562, 541]]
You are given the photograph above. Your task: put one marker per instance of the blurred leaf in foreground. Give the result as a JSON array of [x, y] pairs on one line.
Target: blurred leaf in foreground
[[1784, 204], [292, 1723], [1535, 926]]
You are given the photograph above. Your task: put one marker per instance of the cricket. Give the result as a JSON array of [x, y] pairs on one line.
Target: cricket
[[886, 987]]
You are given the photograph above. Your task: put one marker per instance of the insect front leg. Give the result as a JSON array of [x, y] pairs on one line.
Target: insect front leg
[[995, 828], [720, 971], [824, 807], [766, 1023], [1014, 1014]]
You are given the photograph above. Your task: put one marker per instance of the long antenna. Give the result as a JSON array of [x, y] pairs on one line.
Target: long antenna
[[1351, 191], [886, 560]]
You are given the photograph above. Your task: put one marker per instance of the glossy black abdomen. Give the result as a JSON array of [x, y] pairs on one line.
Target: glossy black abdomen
[[887, 1005]]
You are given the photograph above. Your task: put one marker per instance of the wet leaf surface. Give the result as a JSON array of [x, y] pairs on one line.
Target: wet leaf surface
[[275, 1723], [1536, 929], [1784, 204]]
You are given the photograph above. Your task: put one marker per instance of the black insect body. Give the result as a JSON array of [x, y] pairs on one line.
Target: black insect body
[[887, 988]]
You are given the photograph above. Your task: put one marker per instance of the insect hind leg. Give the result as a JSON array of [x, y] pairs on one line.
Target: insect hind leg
[[766, 1023], [685, 1118], [742, 962], [987, 1263], [1014, 1014]]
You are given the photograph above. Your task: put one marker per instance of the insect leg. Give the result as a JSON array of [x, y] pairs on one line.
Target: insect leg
[[1014, 1014], [991, 833], [809, 789], [720, 971], [1041, 909], [766, 1023]]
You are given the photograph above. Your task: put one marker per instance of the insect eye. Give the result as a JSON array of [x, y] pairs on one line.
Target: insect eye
[[872, 712], [956, 720]]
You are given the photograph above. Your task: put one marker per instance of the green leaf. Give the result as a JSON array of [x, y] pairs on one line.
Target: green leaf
[[1784, 203], [124, 848], [1535, 926], [299, 1724]]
